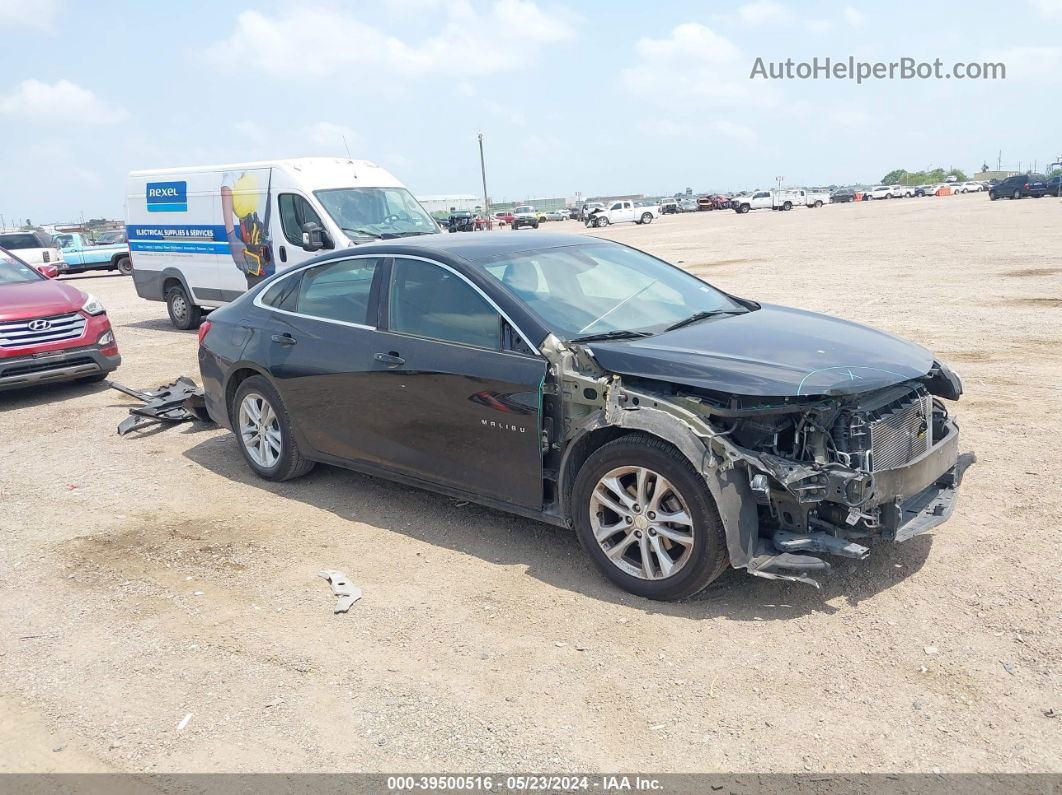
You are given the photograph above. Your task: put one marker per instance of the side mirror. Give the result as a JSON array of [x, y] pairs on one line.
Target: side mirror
[[48, 271], [314, 238]]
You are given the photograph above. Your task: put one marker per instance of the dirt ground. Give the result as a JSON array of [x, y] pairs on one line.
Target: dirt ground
[[146, 578]]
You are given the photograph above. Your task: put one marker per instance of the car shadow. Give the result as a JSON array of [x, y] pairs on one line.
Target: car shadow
[[155, 324], [82, 276], [552, 554], [41, 394]]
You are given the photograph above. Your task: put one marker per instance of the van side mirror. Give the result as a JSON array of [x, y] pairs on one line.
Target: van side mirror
[[314, 238]]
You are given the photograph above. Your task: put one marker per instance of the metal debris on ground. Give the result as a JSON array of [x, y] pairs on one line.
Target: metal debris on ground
[[346, 592], [179, 401]]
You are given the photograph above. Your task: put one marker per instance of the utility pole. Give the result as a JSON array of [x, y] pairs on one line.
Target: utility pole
[[483, 173], [999, 161]]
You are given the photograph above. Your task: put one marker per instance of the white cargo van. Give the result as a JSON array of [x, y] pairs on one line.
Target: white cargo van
[[201, 236]]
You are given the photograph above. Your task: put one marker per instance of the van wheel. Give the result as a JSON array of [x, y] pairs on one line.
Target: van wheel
[[183, 313], [647, 218], [125, 266], [263, 431], [647, 520]]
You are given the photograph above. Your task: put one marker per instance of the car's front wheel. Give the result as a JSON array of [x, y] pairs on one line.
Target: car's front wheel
[[264, 433], [647, 520]]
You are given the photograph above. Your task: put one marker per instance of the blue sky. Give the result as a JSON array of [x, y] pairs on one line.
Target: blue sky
[[595, 97]]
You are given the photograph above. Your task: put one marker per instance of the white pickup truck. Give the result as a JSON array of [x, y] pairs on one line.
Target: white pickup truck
[[780, 200], [621, 212]]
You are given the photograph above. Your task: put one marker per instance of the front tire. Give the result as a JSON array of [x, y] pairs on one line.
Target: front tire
[[1017, 195], [647, 520], [264, 432], [183, 313]]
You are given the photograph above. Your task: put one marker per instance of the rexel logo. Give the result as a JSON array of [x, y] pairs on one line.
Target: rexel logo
[[167, 197]]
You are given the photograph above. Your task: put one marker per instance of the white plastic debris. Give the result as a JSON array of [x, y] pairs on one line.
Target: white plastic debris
[[346, 592], [184, 722]]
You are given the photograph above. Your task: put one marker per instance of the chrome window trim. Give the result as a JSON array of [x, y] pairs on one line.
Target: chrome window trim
[[485, 297]]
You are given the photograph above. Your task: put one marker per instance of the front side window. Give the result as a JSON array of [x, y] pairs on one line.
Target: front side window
[[338, 290], [601, 287], [430, 301], [15, 271], [376, 213], [294, 212]]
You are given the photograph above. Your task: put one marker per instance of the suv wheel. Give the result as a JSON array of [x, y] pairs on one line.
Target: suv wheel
[[647, 520], [1017, 194], [263, 431], [183, 313]]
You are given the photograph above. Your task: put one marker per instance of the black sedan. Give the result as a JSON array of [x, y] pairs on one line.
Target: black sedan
[[680, 430]]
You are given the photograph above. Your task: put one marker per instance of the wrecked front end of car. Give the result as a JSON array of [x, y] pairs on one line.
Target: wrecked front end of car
[[796, 478]]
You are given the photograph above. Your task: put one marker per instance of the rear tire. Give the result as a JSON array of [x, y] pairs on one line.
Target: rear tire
[[125, 266], [647, 218], [697, 564], [183, 313], [275, 426]]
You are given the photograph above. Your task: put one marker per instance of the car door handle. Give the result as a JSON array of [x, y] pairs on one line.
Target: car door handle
[[389, 358], [283, 339]]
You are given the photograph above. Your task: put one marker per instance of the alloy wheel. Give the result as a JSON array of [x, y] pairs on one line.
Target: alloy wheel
[[260, 430], [641, 523]]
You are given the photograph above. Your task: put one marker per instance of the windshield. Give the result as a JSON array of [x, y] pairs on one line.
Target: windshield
[[366, 213], [524, 210], [15, 271], [602, 287]]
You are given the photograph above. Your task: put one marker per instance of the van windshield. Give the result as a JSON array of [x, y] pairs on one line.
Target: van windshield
[[376, 213]]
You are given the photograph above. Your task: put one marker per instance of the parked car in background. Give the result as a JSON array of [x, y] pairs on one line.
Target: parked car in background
[[925, 190], [885, 192], [969, 187], [462, 221], [783, 199], [525, 215], [813, 197], [1053, 186], [49, 330], [842, 195], [586, 384], [111, 237], [688, 205], [589, 207], [36, 248], [573, 213], [504, 217], [622, 212], [669, 207], [1019, 186], [554, 215], [79, 255]]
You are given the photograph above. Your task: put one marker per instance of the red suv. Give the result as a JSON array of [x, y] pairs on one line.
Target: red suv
[[50, 331]]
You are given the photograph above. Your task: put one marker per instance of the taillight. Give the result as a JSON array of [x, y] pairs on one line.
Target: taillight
[[47, 257], [204, 329]]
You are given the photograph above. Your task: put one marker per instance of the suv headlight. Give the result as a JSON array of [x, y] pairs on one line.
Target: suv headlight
[[93, 305]]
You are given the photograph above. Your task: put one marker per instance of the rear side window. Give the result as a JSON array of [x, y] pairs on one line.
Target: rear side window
[[294, 212], [430, 301], [284, 294], [338, 290]]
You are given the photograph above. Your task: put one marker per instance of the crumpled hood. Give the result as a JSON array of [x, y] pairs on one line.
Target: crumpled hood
[[38, 298], [774, 351]]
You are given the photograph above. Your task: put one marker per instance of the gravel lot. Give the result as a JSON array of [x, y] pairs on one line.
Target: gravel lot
[[146, 578]]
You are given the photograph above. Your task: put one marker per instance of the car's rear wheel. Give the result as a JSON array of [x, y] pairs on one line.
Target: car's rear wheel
[[264, 433], [647, 218], [125, 266], [183, 313], [647, 520]]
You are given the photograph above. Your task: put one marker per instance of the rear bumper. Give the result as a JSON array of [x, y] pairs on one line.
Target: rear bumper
[[66, 365]]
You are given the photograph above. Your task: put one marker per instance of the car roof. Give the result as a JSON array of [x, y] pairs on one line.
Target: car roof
[[471, 247]]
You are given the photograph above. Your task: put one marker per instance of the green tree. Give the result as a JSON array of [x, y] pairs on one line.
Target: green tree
[[894, 176]]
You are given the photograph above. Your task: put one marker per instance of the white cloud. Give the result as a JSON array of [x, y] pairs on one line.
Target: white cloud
[[1052, 9], [763, 12], [853, 16], [694, 64], [39, 15], [331, 135], [318, 41], [33, 100], [1032, 64]]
